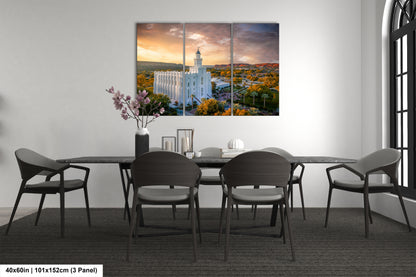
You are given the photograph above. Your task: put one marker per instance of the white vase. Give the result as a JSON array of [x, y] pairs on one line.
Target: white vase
[[142, 131]]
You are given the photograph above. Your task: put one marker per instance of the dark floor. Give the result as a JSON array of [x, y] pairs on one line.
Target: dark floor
[[339, 250]]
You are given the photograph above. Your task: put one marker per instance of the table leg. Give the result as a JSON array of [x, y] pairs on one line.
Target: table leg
[[125, 182], [275, 208]]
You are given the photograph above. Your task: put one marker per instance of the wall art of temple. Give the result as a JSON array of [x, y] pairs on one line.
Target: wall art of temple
[[197, 82]]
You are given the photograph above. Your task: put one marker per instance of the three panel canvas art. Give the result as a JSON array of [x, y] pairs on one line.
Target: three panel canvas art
[[210, 69]]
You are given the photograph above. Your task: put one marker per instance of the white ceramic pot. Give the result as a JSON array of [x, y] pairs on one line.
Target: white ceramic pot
[[236, 144]]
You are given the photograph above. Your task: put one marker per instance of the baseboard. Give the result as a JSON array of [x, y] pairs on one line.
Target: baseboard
[[388, 205]]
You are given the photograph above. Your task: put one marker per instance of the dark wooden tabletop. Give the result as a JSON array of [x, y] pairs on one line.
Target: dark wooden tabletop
[[202, 161]]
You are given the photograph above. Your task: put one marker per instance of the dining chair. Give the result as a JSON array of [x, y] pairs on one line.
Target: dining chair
[[294, 179], [209, 179], [255, 168], [153, 173], [156, 148], [130, 184], [384, 161], [32, 164]]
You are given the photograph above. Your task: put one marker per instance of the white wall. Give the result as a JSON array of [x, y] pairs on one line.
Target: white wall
[[57, 58]]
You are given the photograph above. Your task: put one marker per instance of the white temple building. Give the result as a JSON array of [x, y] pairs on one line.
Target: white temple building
[[197, 82]]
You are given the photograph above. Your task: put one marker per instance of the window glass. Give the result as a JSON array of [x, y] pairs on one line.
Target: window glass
[[398, 56], [404, 93], [405, 169], [398, 94], [404, 50]]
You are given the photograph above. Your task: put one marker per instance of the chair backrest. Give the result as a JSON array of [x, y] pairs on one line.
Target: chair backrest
[[32, 163], [256, 168], [279, 151], [387, 158], [164, 168], [213, 152]]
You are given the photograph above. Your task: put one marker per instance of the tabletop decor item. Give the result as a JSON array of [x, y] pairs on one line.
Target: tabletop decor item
[[169, 143], [235, 148], [235, 143], [185, 140], [141, 108]]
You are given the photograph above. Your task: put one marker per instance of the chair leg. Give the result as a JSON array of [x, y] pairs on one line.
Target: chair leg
[[174, 207], [273, 217], [282, 223], [62, 198], [189, 212], [87, 205], [173, 212], [138, 216], [42, 199], [399, 194], [288, 224], [238, 212], [141, 218], [19, 195], [134, 215], [254, 207], [224, 199], [198, 218], [327, 206], [366, 212], [369, 213], [227, 228], [193, 228], [291, 196], [301, 199]]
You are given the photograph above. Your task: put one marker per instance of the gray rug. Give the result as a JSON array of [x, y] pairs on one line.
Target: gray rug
[[339, 250]]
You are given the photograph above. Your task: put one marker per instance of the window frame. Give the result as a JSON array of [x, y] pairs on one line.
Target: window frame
[[403, 24]]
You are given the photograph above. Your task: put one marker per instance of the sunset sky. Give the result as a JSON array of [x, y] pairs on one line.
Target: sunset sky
[[163, 42]]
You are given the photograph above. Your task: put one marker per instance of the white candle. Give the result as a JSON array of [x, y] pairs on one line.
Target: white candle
[[183, 145], [188, 145], [168, 146]]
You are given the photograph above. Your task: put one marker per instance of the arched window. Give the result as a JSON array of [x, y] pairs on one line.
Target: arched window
[[402, 90]]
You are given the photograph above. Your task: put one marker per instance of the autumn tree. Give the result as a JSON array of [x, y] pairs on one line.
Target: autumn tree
[[259, 88], [209, 107], [162, 98]]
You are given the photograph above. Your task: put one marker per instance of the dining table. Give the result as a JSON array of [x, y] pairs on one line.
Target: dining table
[[124, 164]]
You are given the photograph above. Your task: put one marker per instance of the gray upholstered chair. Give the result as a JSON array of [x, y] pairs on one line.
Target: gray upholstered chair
[[255, 168], [165, 169], [383, 161], [294, 179], [32, 164]]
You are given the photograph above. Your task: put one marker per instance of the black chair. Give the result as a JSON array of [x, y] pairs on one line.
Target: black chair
[[383, 161], [258, 168], [295, 179], [32, 164], [164, 169]]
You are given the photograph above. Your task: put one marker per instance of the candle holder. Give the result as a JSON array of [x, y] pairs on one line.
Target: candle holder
[[185, 140], [169, 143]]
